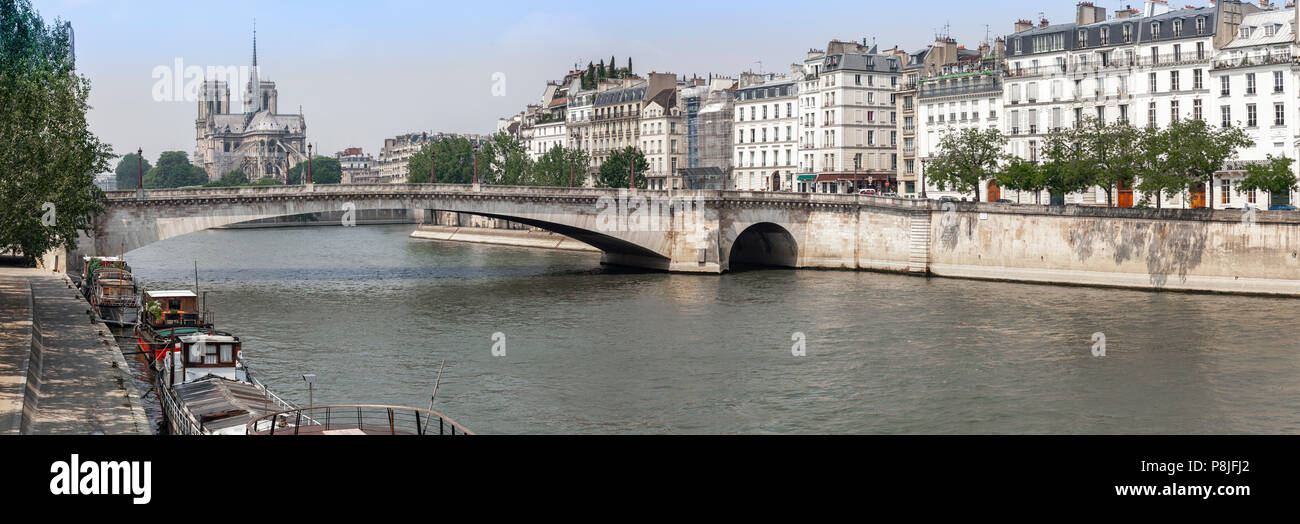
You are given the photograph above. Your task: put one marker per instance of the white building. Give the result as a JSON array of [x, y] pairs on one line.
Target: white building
[[961, 92], [767, 132], [847, 118], [1258, 89], [662, 141]]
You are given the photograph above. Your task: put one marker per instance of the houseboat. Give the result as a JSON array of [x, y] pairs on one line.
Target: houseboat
[[107, 284], [166, 315]]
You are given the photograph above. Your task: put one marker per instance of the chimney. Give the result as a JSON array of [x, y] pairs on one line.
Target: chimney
[[1023, 25], [1126, 12], [1087, 13], [1042, 23]]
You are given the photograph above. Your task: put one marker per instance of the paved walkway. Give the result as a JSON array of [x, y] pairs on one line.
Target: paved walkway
[[76, 380]]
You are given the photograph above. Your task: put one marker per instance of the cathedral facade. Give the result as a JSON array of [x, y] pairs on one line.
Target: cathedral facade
[[259, 140]]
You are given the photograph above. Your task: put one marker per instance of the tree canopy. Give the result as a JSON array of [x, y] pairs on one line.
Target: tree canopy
[[324, 170], [1274, 176], [48, 156], [174, 170], [129, 170], [614, 172], [964, 158]]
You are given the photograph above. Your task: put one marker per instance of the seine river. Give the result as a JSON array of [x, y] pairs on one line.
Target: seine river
[[591, 349]]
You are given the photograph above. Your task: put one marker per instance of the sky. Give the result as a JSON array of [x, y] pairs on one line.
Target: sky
[[365, 71]]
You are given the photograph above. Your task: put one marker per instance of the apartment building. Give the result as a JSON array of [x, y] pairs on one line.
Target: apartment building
[[617, 114], [356, 166], [662, 141], [957, 89], [767, 131], [1255, 85], [847, 118], [1146, 67]]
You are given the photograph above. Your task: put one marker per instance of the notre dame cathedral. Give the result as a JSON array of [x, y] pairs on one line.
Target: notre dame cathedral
[[261, 141]]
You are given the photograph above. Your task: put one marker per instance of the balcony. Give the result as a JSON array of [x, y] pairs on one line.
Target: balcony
[[1249, 61]]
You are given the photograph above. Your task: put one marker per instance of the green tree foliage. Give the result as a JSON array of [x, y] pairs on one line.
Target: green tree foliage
[[324, 170], [507, 161], [48, 156], [174, 170], [1022, 175], [129, 169], [1185, 155], [453, 162], [1067, 164], [235, 177], [1274, 176], [966, 157], [267, 182], [618, 167], [560, 166]]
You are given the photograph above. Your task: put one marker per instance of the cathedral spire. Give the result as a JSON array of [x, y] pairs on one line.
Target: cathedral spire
[[254, 42]]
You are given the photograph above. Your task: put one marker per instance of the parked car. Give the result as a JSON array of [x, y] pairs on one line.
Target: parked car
[[947, 198], [1281, 208]]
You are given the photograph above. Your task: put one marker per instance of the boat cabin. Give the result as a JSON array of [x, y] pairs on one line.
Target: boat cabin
[[199, 355], [172, 308]]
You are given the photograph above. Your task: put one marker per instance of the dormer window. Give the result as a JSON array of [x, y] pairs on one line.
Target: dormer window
[[1105, 35], [1178, 27], [1128, 33], [1270, 30], [1244, 31], [1083, 38], [1155, 30], [1200, 25]]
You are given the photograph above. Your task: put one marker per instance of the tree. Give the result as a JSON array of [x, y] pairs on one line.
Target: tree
[[1197, 151], [1156, 176], [1274, 176], [1120, 148], [507, 161], [453, 158], [129, 169], [559, 166], [966, 157], [174, 170], [235, 177], [1022, 175], [48, 156], [324, 170], [618, 167], [1066, 168]]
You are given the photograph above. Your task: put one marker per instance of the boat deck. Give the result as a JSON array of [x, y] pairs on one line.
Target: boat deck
[[220, 403]]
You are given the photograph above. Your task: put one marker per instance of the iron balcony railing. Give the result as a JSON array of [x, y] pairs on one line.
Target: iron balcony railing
[[370, 419], [1248, 61]]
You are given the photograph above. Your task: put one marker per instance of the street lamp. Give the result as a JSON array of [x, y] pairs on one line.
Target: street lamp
[[922, 177], [308, 164], [310, 379], [139, 180]]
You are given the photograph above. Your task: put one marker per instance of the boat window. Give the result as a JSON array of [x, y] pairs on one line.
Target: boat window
[[173, 303], [195, 356], [210, 353], [226, 350]]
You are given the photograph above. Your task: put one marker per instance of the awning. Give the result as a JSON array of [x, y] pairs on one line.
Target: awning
[[804, 178]]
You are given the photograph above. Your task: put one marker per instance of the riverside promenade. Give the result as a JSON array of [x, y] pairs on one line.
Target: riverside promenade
[[60, 372]]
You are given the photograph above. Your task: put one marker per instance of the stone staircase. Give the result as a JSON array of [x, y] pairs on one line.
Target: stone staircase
[[918, 258]]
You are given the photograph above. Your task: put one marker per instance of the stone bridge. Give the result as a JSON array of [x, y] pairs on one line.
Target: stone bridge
[[711, 231]]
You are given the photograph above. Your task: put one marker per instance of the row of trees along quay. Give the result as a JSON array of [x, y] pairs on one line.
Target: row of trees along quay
[[1161, 162], [48, 156], [503, 160], [173, 169]]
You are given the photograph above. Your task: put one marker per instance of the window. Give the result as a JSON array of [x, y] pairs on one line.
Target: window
[[1200, 48], [1083, 38], [1155, 31], [1279, 114], [1223, 86], [1178, 52], [1200, 29], [1151, 115], [1123, 113], [1173, 80], [1250, 115], [1225, 188], [1178, 27], [1173, 110], [1153, 86], [1277, 81], [1197, 76], [1196, 110], [1250, 83], [1227, 116], [1128, 32], [1105, 35]]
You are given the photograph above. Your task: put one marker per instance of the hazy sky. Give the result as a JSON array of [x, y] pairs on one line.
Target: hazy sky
[[363, 71]]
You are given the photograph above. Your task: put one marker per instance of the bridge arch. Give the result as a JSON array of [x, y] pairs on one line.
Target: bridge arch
[[764, 244]]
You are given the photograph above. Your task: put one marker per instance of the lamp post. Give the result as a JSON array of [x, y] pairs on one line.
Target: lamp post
[[310, 379], [139, 179], [308, 179], [922, 177], [431, 178]]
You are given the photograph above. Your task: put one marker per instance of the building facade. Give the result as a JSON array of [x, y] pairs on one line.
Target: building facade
[[767, 132]]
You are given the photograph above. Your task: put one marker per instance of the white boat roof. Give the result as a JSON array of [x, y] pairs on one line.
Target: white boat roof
[[105, 259], [174, 293], [207, 338]]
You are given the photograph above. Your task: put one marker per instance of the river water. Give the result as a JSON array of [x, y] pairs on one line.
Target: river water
[[592, 349]]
